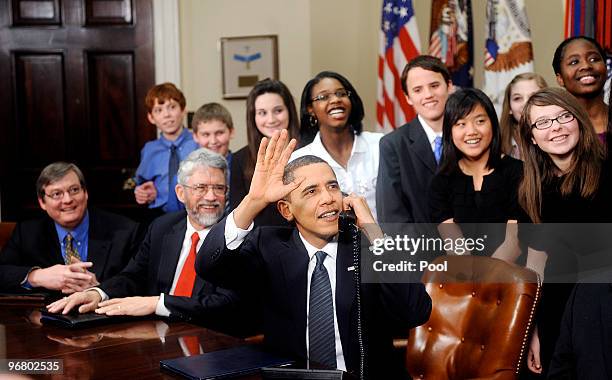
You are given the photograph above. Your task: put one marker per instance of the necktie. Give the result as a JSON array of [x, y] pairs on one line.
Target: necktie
[[192, 343], [321, 337], [184, 285], [173, 166], [72, 254], [438, 148]]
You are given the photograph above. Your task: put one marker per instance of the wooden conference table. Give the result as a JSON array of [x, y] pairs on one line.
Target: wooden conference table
[[126, 350]]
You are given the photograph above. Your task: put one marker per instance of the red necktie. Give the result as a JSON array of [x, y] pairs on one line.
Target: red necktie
[[184, 286], [192, 343]]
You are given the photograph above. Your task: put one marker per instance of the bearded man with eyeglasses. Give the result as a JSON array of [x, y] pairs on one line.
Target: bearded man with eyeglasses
[[70, 249], [161, 278]]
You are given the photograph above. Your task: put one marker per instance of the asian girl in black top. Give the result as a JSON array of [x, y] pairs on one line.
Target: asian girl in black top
[[476, 186]]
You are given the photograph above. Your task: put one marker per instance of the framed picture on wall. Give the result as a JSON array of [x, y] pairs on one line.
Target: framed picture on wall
[[245, 61]]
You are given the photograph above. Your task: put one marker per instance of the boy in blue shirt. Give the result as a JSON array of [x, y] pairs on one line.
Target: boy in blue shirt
[[159, 159]]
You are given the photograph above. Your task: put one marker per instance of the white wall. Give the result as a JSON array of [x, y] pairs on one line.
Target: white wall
[[315, 35], [204, 22], [345, 40]]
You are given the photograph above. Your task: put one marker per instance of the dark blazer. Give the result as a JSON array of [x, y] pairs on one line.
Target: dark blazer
[[275, 260], [113, 240], [584, 347], [152, 270], [240, 183], [407, 166]]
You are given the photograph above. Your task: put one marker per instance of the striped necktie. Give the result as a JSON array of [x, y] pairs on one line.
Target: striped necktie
[[72, 254], [173, 167], [321, 336], [438, 149]]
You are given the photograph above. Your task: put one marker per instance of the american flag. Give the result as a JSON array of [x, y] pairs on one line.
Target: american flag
[[445, 49], [399, 43], [451, 38]]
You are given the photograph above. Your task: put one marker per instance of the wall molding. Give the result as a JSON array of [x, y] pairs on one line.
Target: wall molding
[[167, 41]]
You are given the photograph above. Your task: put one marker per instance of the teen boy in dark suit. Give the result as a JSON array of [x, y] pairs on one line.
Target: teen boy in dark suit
[[409, 156]]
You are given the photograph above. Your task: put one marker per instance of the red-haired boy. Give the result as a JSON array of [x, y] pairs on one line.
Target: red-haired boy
[[160, 158]]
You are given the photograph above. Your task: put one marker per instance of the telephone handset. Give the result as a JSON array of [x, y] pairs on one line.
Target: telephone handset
[[349, 233], [347, 223]]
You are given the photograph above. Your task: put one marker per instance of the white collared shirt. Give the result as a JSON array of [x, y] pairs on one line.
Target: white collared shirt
[[161, 308], [431, 134], [234, 236], [362, 168]]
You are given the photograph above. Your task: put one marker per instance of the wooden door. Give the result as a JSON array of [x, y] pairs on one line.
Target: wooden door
[[73, 77]]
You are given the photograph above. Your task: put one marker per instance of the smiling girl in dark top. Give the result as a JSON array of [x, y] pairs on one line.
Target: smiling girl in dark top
[[269, 108], [517, 92], [476, 183], [566, 180]]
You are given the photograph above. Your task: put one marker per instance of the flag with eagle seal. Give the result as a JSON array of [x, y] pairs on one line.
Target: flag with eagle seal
[[508, 49]]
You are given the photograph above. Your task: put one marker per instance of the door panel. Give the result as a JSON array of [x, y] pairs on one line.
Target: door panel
[[75, 74], [106, 12], [40, 107], [111, 102], [36, 12]]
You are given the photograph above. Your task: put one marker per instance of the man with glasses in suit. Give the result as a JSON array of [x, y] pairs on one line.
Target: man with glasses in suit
[[70, 249], [161, 278]]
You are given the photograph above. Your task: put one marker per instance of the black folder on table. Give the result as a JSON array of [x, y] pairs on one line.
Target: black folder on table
[[223, 364], [78, 321]]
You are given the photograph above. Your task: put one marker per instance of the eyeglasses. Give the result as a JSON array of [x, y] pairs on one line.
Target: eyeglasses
[[325, 97], [203, 189], [564, 118], [56, 195]]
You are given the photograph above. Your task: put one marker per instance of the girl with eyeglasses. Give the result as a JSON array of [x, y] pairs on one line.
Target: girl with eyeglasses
[[566, 179], [331, 114], [580, 67], [475, 191], [270, 108]]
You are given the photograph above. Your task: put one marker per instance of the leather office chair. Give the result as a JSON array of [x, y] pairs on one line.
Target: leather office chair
[[483, 313], [6, 229]]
